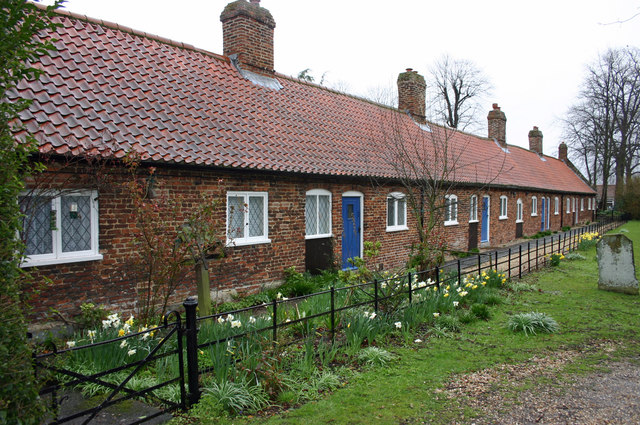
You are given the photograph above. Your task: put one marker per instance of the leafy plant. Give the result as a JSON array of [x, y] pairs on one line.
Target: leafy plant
[[233, 397], [481, 311], [374, 356], [447, 323], [531, 323], [555, 258]]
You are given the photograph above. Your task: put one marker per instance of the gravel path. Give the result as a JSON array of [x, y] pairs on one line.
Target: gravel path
[[611, 396]]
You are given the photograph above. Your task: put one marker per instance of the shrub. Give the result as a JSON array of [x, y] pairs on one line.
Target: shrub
[[588, 240], [466, 317], [531, 323], [555, 258], [481, 311], [575, 256], [374, 356], [448, 323], [233, 397], [493, 279]]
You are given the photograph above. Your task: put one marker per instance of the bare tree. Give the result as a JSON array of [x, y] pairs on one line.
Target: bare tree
[[603, 126], [455, 89], [428, 161]]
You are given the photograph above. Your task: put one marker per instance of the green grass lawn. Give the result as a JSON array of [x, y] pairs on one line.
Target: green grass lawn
[[406, 390]]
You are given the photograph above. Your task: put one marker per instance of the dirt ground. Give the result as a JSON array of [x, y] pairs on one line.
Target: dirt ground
[[536, 393]]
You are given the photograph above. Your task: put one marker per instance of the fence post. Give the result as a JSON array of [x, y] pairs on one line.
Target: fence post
[[520, 261], [438, 277], [274, 319], [496, 260], [529, 257], [410, 287], [479, 265], [375, 295], [459, 274], [544, 241], [190, 305], [333, 315], [509, 266]]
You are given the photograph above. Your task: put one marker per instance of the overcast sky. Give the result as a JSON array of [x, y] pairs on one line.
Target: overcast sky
[[534, 53]]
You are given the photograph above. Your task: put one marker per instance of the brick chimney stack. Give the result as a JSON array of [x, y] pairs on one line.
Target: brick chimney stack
[[411, 94], [562, 152], [247, 31], [498, 125], [535, 140]]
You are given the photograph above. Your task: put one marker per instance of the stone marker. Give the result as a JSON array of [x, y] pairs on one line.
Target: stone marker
[[615, 264]]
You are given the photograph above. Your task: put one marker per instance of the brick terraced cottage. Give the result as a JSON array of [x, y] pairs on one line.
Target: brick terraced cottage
[[301, 171]]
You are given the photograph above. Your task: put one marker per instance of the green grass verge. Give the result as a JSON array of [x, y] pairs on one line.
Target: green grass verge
[[406, 390]]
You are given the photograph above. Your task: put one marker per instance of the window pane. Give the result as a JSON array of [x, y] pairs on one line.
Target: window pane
[[324, 214], [256, 216], [402, 212], [235, 210], [37, 224], [454, 209], [391, 212], [311, 213], [75, 229], [474, 208]]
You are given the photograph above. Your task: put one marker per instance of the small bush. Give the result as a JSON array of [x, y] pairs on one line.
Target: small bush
[[555, 258], [522, 287], [374, 356], [234, 397], [490, 297], [566, 228], [531, 323], [481, 311], [493, 279], [448, 323], [575, 256], [588, 240], [466, 317]]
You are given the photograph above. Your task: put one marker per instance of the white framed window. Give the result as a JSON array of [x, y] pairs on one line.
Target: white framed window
[[317, 214], [556, 206], [519, 211], [581, 204], [473, 209], [588, 204], [450, 210], [568, 205], [575, 204], [396, 212], [247, 218], [534, 206], [61, 228], [503, 207]]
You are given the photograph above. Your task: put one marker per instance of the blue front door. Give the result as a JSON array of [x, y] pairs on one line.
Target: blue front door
[[351, 229], [544, 216], [484, 233]]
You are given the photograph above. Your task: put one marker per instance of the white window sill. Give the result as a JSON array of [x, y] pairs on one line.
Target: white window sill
[[234, 243], [503, 217], [474, 221], [28, 262], [451, 223], [534, 215], [396, 228], [556, 213], [323, 236], [519, 221]]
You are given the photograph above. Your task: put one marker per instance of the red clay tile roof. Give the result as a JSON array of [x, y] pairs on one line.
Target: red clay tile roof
[[110, 89]]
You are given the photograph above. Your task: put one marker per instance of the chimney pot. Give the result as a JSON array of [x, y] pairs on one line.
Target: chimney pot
[[412, 94], [535, 140], [562, 152], [247, 31], [497, 125]]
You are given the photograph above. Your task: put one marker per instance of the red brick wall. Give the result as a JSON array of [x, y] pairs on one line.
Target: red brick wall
[[246, 268]]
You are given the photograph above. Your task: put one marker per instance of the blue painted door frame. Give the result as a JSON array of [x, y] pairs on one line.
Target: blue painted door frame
[[351, 213], [543, 215], [484, 233]]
